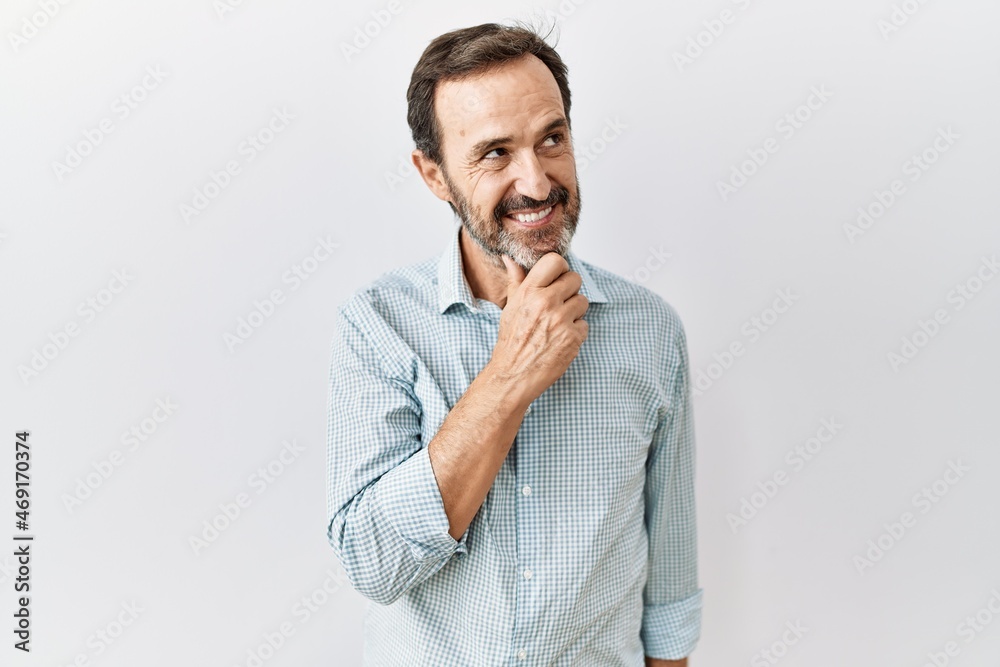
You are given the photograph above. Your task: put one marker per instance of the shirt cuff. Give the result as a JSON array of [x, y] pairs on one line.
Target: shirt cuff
[[670, 631], [410, 499]]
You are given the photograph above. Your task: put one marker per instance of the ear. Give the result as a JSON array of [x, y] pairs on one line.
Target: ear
[[432, 174]]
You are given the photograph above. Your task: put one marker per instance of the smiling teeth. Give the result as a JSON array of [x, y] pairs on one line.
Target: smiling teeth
[[532, 217]]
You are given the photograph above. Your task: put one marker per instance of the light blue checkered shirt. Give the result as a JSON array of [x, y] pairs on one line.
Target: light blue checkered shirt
[[584, 551]]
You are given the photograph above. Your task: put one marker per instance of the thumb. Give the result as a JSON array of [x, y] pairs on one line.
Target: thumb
[[515, 274]]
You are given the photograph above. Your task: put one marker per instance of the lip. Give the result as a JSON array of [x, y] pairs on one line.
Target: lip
[[537, 223]]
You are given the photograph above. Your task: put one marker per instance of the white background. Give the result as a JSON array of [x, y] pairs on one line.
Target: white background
[[327, 174]]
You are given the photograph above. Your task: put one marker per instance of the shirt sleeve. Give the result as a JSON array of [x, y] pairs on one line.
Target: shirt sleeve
[[385, 517], [671, 623]]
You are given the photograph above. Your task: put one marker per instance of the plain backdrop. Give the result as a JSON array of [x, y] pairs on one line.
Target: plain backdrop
[[837, 162]]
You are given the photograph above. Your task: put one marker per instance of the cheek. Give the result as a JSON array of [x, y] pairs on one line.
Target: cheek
[[489, 192], [567, 169], [562, 170]]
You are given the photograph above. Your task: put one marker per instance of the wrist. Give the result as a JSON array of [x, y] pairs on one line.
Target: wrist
[[508, 390]]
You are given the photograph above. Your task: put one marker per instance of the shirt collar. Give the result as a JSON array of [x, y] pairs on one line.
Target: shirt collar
[[454, 288]]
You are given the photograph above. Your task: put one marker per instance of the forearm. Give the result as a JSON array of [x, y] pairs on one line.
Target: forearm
[[472, 443], [654, 662]]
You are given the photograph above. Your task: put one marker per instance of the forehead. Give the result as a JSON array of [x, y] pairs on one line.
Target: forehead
[[519, 94]]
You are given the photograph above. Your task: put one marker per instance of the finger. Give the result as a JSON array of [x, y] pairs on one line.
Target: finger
[[548, 268], [515, 274], [567, 284], [576, 306]]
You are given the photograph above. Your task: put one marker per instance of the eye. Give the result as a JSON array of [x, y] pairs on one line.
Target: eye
[[558, 136]]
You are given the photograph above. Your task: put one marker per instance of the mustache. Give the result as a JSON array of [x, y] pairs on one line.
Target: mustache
[[558, 195]]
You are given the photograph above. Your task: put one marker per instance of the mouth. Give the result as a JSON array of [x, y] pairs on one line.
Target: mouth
[[533, 219]]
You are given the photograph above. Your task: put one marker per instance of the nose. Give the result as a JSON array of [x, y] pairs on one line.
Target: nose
[[532, 181]]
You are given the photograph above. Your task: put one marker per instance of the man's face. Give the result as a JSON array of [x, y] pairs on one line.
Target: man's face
[[507, 151]]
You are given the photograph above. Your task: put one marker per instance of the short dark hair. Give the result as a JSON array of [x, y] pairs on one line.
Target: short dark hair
[[462, 53]]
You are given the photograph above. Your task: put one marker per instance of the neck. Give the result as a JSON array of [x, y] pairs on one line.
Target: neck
[[487, 280]]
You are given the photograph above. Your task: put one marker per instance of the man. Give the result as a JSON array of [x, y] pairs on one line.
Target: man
[[510, 483]]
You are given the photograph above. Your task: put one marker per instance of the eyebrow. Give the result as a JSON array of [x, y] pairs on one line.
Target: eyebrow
[[486, 145]]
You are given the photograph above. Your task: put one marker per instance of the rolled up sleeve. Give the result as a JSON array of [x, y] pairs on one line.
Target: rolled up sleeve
[[385, 517], [671, 623]]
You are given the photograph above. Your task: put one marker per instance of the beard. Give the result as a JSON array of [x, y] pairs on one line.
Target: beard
[[524, 246]]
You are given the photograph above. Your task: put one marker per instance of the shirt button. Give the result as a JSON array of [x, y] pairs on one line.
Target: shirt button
[[528, 411], [522, 654], [527, 573], [526, 490]]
